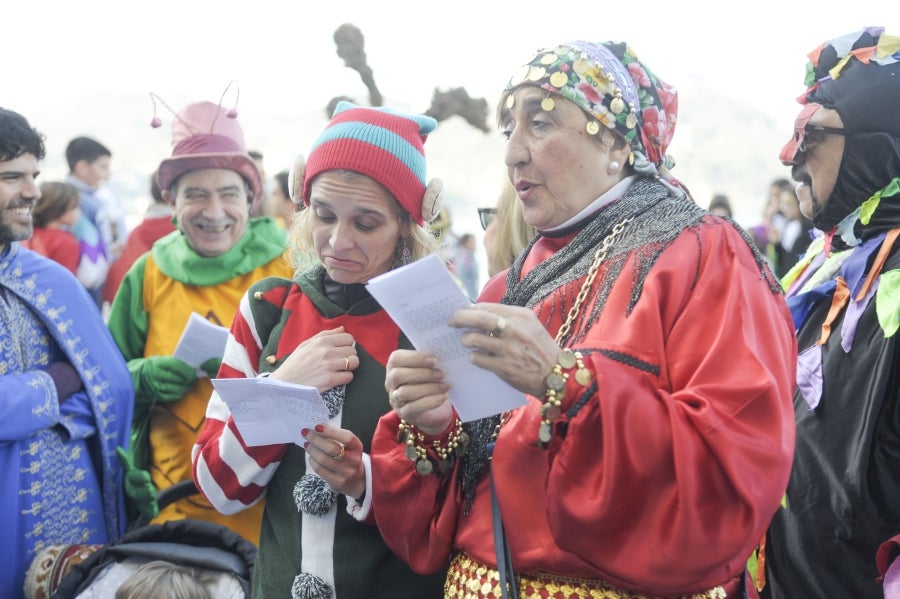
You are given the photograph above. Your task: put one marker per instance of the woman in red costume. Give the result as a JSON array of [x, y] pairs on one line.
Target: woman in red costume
[[655, 351]]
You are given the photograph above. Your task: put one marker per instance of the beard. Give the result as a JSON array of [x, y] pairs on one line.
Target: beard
[[810, 203], [10, 230]]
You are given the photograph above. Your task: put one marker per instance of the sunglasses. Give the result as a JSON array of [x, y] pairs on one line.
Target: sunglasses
[[486, 216], [800, 136], [802, 128]]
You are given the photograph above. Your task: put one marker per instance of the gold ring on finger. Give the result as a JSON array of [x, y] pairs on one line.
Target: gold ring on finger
[[340, 455], [498, 329]]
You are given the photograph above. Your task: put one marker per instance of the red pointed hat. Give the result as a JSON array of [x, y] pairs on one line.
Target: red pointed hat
[[206, 135]]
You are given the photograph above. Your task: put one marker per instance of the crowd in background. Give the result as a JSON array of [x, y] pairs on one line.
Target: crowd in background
[[607, 303]]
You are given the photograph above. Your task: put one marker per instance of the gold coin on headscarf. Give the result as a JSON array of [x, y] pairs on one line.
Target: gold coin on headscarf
[[548, 58], [548, 103], [631, 120], [519, 76], [617, 105], [559, 79], [592, 127], [536, 73], [580, 66]]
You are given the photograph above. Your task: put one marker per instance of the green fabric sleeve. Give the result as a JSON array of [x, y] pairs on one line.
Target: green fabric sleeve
[[129, 322]]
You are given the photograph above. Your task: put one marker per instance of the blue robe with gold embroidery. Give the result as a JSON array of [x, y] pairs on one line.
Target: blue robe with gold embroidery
[[60, 477]]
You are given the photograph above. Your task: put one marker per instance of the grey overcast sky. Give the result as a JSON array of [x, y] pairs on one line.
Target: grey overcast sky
[[283, 54]]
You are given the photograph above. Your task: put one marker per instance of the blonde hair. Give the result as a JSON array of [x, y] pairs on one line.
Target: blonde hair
[[421, 240], [512, 232], [159, 579]]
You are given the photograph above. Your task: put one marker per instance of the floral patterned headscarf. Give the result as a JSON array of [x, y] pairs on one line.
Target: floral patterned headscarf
[[607, 81]]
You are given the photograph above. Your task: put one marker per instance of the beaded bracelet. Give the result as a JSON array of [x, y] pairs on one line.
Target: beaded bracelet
[[446, 452], [556, 391]]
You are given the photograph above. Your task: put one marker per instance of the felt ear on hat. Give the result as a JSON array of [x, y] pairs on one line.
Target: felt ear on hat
[[431, 203], [295, 180]]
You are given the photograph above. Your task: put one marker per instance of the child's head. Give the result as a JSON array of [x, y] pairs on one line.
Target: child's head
[[164, 580], [60, 202], [88, 161]]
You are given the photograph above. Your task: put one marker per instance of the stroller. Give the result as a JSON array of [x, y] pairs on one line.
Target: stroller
[[95, 572]]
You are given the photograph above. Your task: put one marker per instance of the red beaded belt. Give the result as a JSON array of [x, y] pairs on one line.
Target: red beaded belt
[[468, 579]]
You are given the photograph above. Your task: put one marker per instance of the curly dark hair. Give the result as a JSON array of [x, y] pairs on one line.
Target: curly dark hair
[[17, 137]]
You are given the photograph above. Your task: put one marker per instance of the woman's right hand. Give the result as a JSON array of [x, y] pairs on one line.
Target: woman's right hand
[[418, 392], [323, 361]]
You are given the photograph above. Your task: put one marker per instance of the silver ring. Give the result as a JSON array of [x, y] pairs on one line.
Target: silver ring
[[395, 395], [498, 329]]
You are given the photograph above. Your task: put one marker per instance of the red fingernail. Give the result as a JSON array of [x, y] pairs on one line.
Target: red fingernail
[[304, 432], [320, 428], [305, 445]]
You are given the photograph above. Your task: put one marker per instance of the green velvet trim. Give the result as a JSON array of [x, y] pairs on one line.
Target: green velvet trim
[[263, 242]]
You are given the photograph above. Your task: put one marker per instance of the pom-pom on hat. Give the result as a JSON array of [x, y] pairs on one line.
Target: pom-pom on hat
[[207, 135], [383, 144]]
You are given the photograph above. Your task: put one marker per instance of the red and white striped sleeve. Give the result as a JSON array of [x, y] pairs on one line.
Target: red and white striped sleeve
[[231, 475]]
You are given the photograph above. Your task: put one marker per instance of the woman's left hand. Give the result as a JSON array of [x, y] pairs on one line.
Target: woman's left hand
[[335, 454], [510, 342]]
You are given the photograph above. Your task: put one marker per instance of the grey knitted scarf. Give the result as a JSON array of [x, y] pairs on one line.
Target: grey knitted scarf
[[658, 216]]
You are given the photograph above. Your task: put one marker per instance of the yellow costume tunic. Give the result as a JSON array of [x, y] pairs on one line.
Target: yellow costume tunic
[[148, 316]]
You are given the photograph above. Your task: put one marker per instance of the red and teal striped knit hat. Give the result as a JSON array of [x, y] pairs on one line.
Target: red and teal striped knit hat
[[381, 143]]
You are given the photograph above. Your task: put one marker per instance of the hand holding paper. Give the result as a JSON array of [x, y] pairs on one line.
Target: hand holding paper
[[421, 297], [267, 411], [200, 341]]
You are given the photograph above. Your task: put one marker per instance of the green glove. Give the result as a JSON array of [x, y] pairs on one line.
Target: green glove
[[165, 378], [139, 489], [211, 367]]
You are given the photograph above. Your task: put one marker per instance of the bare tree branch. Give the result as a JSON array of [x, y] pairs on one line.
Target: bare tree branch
[[456, 101], [350, 47]]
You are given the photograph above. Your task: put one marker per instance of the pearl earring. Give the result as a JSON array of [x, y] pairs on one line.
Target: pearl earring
[[614, 167]]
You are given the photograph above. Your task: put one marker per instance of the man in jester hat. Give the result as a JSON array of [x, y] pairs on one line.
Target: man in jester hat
[[205, 266]]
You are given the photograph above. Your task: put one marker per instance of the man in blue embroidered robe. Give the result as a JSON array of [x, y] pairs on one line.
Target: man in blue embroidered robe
[[65, 393]]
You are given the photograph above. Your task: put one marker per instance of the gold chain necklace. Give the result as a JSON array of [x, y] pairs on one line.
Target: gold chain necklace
[[599, 257], [556, 380]]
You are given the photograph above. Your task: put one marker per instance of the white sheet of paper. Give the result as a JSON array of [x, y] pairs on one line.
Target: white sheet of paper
[[267, 411], [420, 297], [200, 341]]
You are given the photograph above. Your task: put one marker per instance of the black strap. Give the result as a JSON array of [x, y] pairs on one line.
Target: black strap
[[508, 588]]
